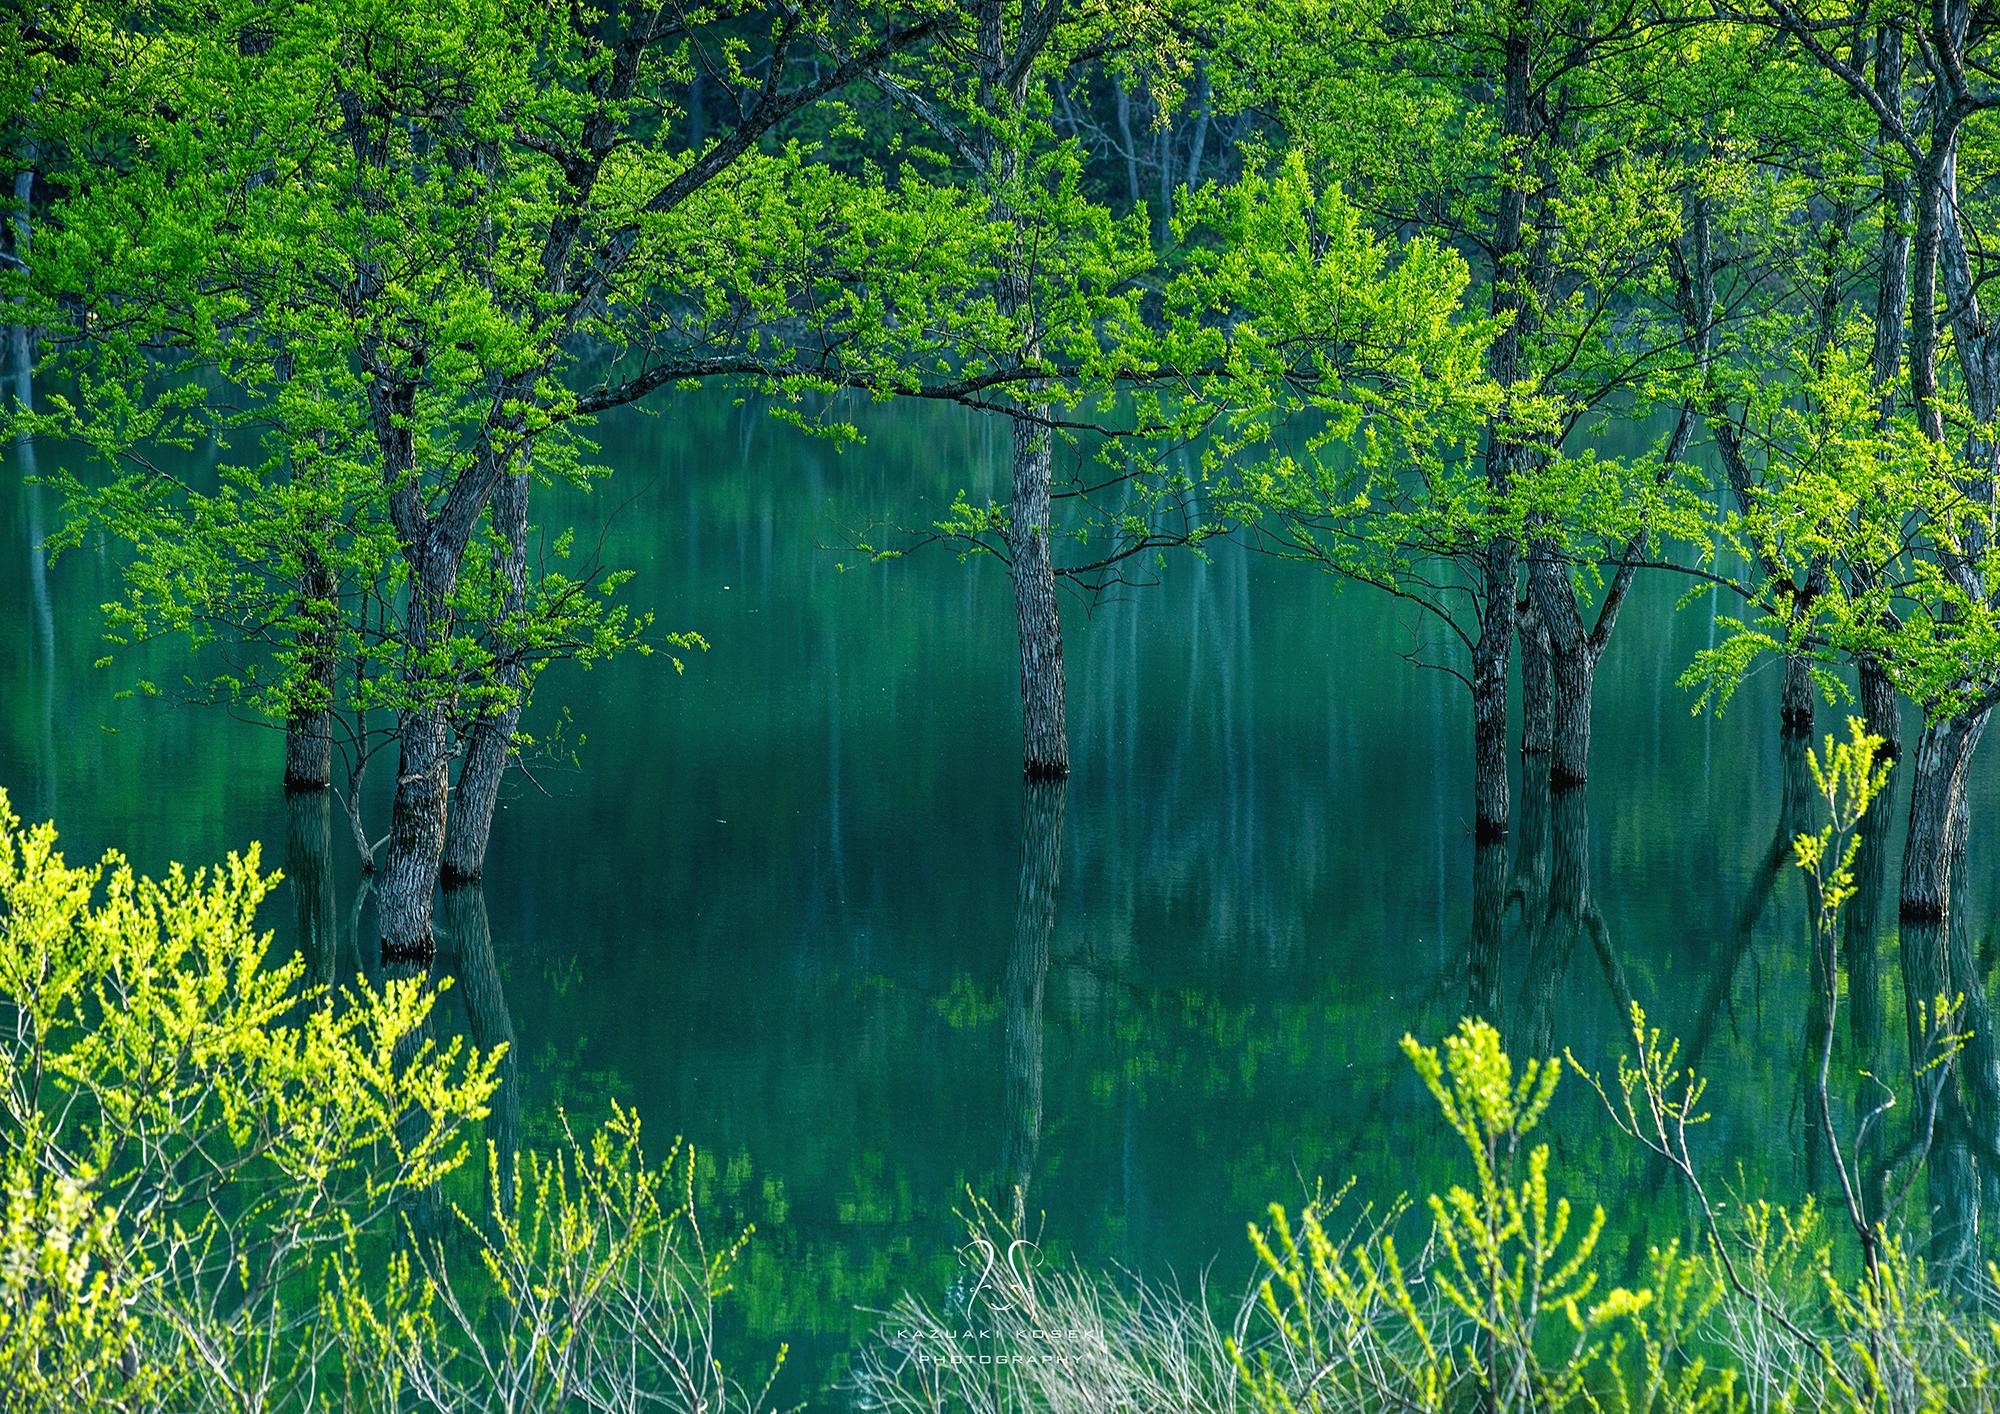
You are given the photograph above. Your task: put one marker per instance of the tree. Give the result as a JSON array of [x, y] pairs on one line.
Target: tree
[[383, 238]]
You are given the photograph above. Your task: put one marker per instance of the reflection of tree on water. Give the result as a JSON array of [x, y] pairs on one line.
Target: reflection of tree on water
[[1021, 994], [1957, 1108], [1794, 817], [22, 357], [467, 954]]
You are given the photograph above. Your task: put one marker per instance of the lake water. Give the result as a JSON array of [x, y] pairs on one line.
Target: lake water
[[791, 903]]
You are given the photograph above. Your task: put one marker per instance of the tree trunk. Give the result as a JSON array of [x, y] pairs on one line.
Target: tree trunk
[[1937, 788], [490, 742], [309, 728], [1795, 698], [1490, 654], [1042, 809], [416, 817], [309, 874], [1573, 673], [1537, 708], [1573, 655], [1881, 708], [1044, 730]]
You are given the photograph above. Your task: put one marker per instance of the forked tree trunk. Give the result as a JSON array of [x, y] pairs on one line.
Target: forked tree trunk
[[490, 743], [404, 893], [1038, 619]]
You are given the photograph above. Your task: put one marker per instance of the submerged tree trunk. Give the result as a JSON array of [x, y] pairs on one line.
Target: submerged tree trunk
[[309, 873], [1573, 675], [490, 742], [1490, 655], [1038, 618], [1537, 685], [1483, 943], [404, 893], [1042, 809], [1937, 792]]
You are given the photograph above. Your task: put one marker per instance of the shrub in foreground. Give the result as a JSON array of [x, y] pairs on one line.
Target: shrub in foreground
[[213, 1175]]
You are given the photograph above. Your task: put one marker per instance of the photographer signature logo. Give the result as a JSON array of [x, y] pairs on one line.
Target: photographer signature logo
[[1004, 1272]]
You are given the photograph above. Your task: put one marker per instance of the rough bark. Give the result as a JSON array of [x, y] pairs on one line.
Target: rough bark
[[1006, 72], [489, 744], [1037, 616], [1573, 674], [1937, 796], [1490, 654], [1042, 811], [409, 877], [1879, 703], [1537, 711]]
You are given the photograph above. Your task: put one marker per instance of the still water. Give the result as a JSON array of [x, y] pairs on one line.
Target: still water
[[797, 905]]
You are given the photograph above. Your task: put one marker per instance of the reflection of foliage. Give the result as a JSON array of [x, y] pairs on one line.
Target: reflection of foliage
[[1508, 1304]]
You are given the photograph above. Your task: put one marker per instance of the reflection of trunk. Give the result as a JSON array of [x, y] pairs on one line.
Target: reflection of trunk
[[490, 742], [1537, 711], [1938, 961], [1482, 951], [1861, 922], [469, 934], [309, 871], [309, 727], [416, 818], [22, 342], [423, 1207], [1044, 733], [1027, 970], [1794, 804], [1937, 789], [1563, 917]]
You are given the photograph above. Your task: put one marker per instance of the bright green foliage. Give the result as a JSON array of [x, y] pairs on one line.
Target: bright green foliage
[[190, 1129], [593, 1287], [65, 1330], [218, 1182], [1505, 1308], [1848, 775]]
